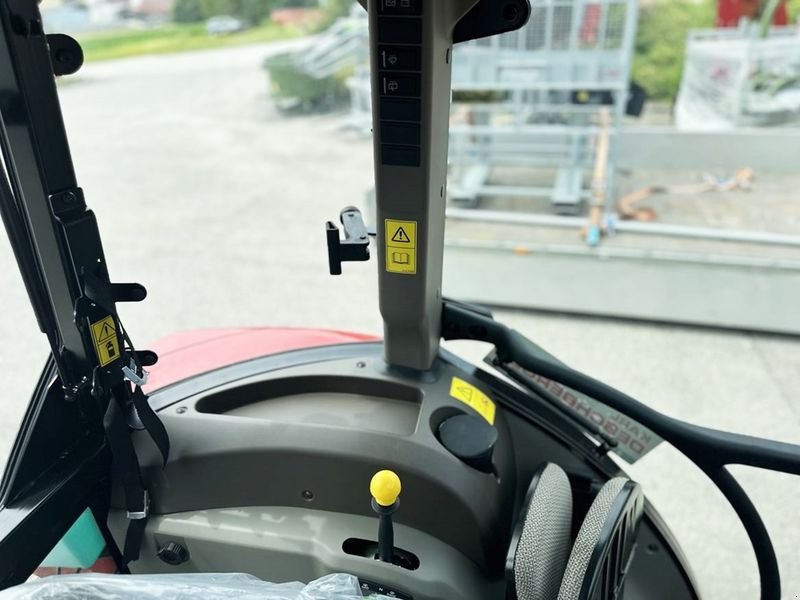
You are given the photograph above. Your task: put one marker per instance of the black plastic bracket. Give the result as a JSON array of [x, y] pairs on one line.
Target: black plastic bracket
[[492, 17], [354, 247], [67, 202], [146, 358], [66, 54], [128, 292]]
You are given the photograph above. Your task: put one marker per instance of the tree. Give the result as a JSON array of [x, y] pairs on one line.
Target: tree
[[254, 11], [333, 9], [187, 11], [661, 43], [212, 8], [251, 11]]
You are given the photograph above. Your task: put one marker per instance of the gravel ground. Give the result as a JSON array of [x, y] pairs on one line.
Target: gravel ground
[[216, 202]]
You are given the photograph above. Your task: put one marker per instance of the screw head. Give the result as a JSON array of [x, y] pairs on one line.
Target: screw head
[[181, 410], [307, 495]]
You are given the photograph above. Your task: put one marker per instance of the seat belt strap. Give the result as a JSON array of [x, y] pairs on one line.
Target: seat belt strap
[[126, 465]]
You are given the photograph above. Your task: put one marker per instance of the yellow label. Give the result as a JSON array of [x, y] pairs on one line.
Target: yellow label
[[474, 398], [106, 344], [401, 247]]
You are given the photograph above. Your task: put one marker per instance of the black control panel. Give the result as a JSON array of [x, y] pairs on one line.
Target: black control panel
[[370, 588], [399, 81]]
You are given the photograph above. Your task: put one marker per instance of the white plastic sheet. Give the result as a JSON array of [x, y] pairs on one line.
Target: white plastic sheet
[[732, 78], [192, 586]]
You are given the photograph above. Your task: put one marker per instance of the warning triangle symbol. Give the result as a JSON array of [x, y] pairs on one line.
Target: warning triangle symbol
[[401, 236], [105, 333], [466, 392]]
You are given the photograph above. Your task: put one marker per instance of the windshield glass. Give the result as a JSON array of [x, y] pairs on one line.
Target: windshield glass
[[622, 190]]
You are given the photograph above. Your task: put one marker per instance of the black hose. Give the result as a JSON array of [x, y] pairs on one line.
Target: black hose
[[769, 575], [692, 440]]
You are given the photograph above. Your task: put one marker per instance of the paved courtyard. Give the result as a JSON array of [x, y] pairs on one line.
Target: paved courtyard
[[216, 202]]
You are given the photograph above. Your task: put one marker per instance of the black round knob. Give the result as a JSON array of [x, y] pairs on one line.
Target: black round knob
[[471, 439], [173, 553]]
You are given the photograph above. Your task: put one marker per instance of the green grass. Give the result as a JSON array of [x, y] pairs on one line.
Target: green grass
[[173, 38]]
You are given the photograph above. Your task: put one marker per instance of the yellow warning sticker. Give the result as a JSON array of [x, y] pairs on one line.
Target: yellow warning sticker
[[401, 247], [106, 343], [474, 398]]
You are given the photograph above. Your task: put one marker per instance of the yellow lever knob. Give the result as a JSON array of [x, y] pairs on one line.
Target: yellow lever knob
[[385, 487]]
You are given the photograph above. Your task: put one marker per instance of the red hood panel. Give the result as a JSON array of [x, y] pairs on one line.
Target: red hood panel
[[185, 354]]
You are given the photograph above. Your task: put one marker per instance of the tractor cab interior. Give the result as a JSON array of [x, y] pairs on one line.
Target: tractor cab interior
[[395, 462]]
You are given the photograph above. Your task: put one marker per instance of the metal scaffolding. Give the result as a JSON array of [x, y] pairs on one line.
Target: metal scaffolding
[[528, 102]]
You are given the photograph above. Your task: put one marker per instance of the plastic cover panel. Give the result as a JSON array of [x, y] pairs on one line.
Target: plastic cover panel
[[183, 587]]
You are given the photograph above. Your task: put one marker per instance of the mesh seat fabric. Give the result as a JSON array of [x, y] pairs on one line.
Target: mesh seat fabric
[[544, 539]]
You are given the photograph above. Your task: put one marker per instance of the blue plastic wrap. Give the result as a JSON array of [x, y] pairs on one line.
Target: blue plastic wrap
[[191, 586]]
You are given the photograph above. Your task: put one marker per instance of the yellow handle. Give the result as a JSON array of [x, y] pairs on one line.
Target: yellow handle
[[385, 487]]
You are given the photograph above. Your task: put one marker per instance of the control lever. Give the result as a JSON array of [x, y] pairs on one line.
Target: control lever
[[385, 489], [354, 247]]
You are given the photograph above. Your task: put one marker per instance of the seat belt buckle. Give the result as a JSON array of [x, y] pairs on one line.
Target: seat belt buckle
[[142, 514], [132, 376]]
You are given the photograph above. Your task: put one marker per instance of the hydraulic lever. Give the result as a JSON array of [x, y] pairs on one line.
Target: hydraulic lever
[[385, 489]]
